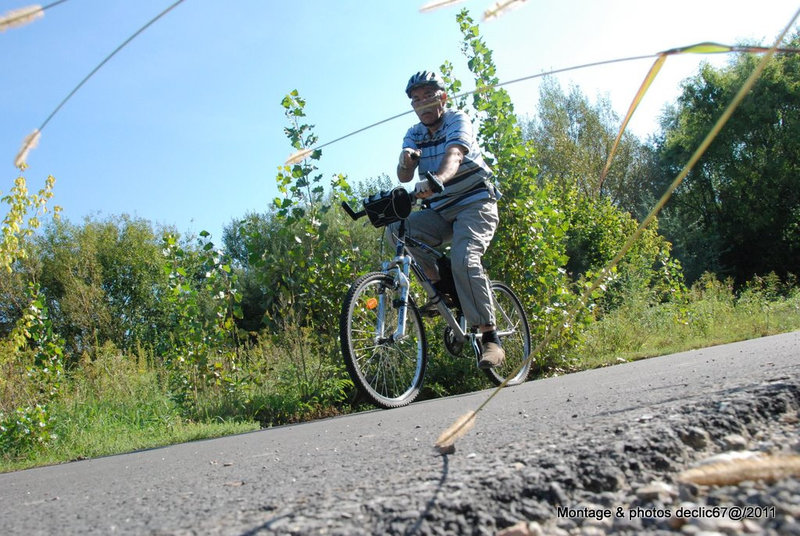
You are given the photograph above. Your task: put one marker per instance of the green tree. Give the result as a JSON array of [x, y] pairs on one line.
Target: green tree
[[25, 408], [558, 226], [17, 260], [29, 342], [259, 242], [202, 301], [573, 139], [737, 213], [304, 253], [529, 249], [22, 218], [104, 282], [598, 229]]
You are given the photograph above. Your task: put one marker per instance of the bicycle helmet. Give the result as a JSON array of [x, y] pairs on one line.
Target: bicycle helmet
[[424, 78]]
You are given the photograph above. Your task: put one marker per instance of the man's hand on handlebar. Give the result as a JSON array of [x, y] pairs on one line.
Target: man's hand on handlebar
[[409, 158], [422, 190], [426, 188]]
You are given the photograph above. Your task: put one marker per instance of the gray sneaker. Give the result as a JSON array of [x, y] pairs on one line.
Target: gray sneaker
[[492, 356]]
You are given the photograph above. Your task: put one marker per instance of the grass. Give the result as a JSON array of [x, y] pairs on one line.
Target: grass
[[711, 316], [115, 403], [96, 428]]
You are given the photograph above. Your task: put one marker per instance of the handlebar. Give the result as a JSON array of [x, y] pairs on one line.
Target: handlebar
[[434, 182], [352, 213]]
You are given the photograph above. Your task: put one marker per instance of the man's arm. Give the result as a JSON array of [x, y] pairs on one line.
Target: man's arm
[[409, 160], [453, 156]]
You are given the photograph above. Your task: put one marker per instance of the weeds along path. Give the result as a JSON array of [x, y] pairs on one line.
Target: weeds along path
[[555, 453]]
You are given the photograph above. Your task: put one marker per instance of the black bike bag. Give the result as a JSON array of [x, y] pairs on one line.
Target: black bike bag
[[388, 207]]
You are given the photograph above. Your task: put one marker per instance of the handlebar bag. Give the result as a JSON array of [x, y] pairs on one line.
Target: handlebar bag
[[387, 207]]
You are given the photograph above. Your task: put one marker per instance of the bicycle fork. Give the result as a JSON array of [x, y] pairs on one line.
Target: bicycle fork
[[398, 269]]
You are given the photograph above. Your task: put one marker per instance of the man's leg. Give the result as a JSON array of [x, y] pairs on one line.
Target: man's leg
[[473, 229]]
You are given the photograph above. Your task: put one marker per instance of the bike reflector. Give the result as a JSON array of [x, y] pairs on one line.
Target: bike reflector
[[372, 303]]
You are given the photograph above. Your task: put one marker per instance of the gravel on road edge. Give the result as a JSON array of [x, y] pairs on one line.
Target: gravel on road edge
[[612, 478]]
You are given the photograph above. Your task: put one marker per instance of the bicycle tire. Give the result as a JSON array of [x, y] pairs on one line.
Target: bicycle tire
[[389, 373], [512, 325]]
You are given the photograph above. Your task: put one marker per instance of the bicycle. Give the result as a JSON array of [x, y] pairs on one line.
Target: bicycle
[[381, 330]]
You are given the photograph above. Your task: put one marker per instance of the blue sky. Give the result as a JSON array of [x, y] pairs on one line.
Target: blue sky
[[184, 126]]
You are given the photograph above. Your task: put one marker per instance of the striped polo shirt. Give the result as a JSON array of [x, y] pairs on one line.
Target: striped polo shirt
[[470, 182]]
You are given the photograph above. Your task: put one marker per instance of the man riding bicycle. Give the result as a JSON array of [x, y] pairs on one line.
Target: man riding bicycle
[[464, 213]]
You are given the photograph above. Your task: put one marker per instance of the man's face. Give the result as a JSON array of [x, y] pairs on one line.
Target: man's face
[[428, 103]]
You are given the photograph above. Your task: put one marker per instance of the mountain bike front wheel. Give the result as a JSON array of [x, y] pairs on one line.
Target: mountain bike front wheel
[[512, 326], [388, 371]]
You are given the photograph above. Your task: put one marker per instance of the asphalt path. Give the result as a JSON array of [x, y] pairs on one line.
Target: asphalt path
[[241, 484]]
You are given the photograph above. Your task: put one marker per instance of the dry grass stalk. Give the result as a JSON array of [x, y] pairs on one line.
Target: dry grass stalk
[[766, 468], [20, 17], [299, 156], [457, 430], [500, 7], [30, 142], [436, 4]]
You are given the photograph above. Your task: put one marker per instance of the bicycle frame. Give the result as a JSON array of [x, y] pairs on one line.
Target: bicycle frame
[[400, 268]]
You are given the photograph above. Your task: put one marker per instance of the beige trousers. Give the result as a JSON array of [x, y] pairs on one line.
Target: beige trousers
[[469, 229]]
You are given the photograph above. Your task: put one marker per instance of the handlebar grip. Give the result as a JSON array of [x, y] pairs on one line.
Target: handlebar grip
[[352, 213], [435, 182]]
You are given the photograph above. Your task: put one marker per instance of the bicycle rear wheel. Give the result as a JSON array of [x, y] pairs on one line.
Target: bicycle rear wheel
[[512, 326], [389, 372]]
